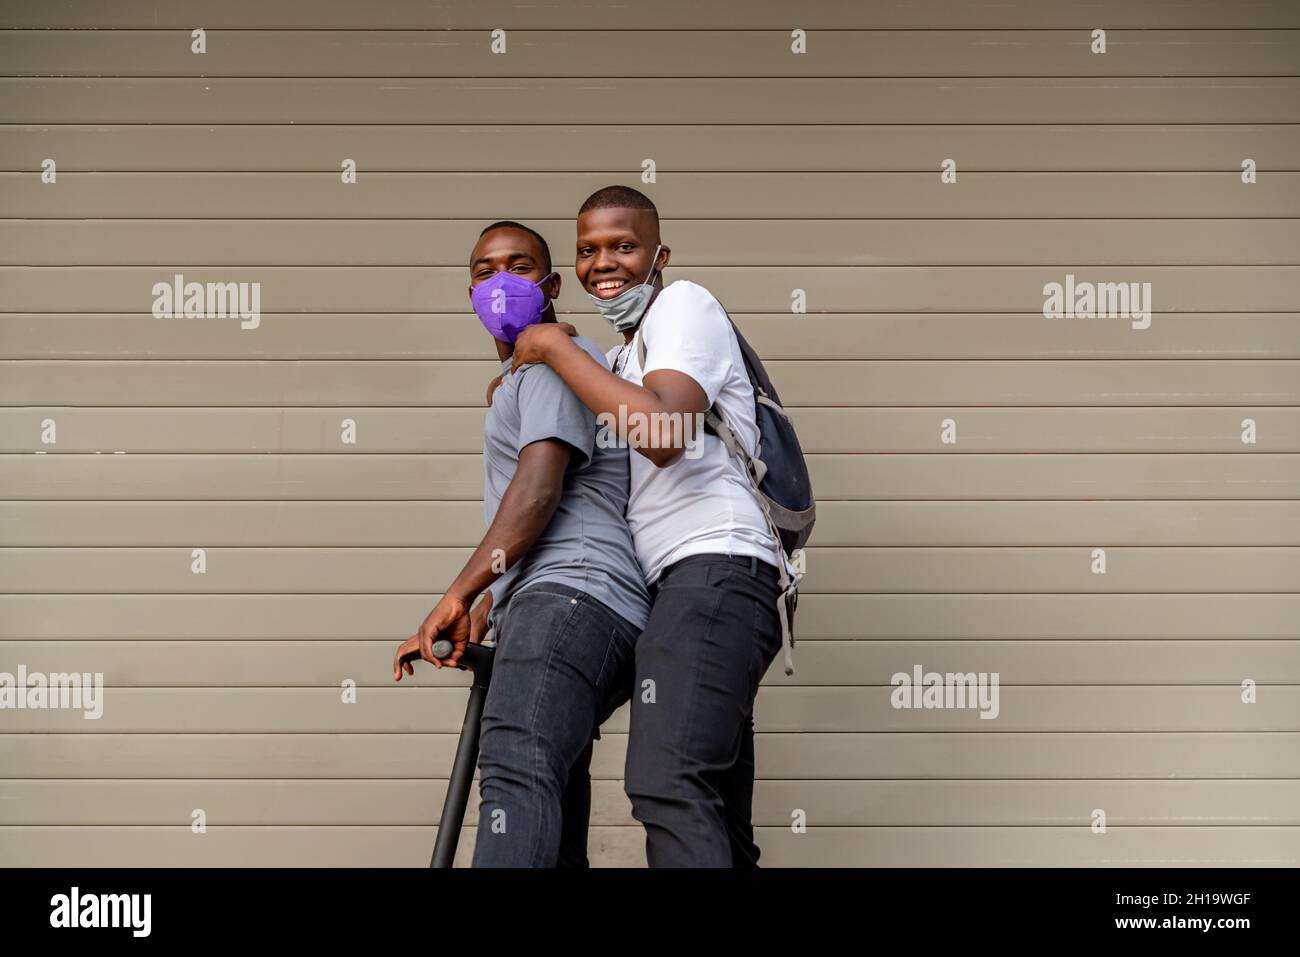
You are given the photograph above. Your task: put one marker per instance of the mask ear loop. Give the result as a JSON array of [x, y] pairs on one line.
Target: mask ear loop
[[538, 284], [653, 259]]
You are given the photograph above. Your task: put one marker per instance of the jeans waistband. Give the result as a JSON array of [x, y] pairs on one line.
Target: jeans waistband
[[551, 588], [756, 566], [561, 591]]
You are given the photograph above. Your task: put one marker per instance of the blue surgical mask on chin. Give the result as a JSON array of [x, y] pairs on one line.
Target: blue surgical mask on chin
[[625, 310]]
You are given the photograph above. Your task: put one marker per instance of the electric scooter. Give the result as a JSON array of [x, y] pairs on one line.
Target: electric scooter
[[478, 660]]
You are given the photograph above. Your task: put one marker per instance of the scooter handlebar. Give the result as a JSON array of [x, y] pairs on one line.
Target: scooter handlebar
[[474, 657]]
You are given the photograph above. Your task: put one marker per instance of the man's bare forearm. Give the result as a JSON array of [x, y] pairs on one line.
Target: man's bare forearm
[[623, 404], [526, 509]]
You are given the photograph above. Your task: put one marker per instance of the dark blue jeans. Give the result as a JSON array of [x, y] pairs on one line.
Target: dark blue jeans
[[713, 632], [563, 664]]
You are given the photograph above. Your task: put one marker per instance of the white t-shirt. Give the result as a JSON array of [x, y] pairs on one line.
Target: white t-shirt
[[705, 504]]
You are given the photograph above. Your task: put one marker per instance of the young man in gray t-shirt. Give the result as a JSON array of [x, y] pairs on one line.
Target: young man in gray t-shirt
[[567, 610]]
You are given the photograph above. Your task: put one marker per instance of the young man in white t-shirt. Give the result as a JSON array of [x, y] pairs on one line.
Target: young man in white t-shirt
[[700, 534]]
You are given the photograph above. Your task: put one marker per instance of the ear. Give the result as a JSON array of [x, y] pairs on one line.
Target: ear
[[552, 287], [665, 254]]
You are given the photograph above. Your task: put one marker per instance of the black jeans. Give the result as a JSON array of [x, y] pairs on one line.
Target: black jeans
[[713, 632], [563, 665]]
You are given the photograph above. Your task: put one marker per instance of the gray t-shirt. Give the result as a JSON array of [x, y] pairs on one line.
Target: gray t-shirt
[[587, 544]]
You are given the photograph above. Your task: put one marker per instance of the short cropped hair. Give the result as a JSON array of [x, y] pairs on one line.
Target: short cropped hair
[[511, 224], [619, 197]]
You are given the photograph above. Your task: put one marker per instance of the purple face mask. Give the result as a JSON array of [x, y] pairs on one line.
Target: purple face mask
[[508, 303]]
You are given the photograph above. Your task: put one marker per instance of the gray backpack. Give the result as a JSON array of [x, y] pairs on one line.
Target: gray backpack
[[778, 473]]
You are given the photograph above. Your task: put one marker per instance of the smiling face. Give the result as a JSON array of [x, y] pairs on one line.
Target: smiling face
[[511, 250], [615, 250]]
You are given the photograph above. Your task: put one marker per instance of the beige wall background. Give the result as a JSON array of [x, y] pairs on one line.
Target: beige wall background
[[775, 171]]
